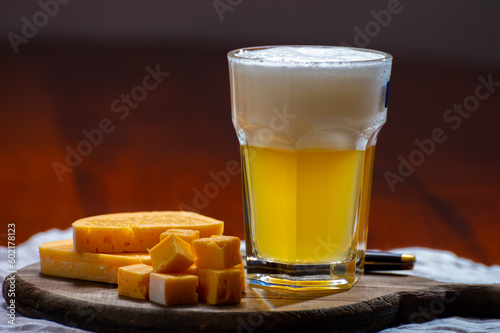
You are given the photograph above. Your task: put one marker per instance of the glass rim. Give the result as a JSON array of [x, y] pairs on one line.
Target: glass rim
[[233, 55]]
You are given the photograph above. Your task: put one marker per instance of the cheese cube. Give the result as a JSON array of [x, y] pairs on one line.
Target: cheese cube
[[217, 252], [196, 271], [171, 255], [138, 231], [241, 267], [133, 281], [59, 258], [172, 289], [220, 286], [185, 234], [193, 270]]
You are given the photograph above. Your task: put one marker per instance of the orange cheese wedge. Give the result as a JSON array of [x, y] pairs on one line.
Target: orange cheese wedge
[[60, 259], [136, 232]]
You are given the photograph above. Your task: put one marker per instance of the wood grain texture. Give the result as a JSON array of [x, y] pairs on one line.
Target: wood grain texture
[[376, 302]]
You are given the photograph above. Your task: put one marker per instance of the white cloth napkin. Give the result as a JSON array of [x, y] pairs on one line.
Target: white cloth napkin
[[447, 267], [433, 264]]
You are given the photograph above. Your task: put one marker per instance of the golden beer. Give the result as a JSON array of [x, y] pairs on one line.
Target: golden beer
[[307, 119], [305, 202]]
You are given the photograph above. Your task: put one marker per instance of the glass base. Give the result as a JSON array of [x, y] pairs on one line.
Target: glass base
[[338, 276]]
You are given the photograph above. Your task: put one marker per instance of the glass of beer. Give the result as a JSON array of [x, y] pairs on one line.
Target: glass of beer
[[307, 120]]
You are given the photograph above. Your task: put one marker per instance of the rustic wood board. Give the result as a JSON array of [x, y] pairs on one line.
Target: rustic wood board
[[377, 301]]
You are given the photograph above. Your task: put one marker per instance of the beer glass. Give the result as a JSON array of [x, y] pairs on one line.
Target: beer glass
[[307, 120]]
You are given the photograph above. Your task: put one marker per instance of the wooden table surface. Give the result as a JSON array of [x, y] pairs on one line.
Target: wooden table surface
[[161, 152], [378, 301]]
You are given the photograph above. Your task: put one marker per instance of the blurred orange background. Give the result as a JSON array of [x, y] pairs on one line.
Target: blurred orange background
[[174, 147]]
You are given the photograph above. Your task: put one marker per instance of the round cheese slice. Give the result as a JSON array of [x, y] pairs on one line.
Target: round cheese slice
[[138, 231]]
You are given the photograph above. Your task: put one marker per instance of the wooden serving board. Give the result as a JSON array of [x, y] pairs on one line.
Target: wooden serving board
[[377, 301]]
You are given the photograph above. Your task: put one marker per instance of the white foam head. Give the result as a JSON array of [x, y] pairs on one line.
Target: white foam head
[[307, 97], [289, 55]]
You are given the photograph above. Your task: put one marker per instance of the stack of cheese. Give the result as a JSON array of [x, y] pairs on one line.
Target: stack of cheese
[[188, 258]]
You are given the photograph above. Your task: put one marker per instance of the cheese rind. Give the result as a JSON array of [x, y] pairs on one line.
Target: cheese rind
[[220, 286], [172, 289], [58, 258], [171, 255], [136, 232], [133, 281], [217, 252], [185, 234]]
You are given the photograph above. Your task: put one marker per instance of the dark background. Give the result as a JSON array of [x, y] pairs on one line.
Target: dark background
[[166, 150]]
